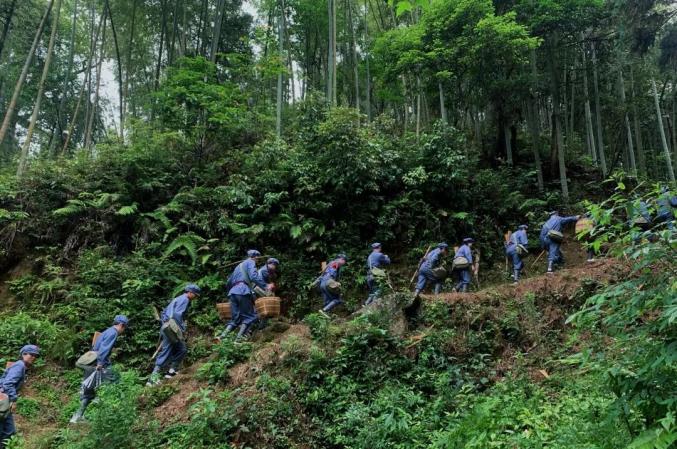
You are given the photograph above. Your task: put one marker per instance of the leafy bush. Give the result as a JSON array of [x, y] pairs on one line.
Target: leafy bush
[[227, 354], [20, 329]]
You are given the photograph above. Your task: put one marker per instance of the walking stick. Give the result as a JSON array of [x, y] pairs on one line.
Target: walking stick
[[420, 262], [537, 259]]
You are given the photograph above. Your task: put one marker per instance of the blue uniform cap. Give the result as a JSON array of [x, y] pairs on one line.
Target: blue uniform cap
[[121, 319], [273, 260], [342, 256], [253, 253], [442, 245], [30, 349], [468, 240], [192, 288], [375, 245], [523, 227]]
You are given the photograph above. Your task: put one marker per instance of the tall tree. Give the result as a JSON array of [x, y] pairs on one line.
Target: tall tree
[[280, 75], [24, 72], [41, 88], [598, 113], [661, 129], [7, 26]]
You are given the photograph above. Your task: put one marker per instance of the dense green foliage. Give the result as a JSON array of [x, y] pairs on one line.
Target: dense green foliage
[[303, 131]]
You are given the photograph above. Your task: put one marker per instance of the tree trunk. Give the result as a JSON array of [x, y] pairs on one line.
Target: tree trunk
[[128, 59], [353, 44], [7, 26], [366, 59], [508, 144], [590, 136], [443, 109], [638, 134], [41, 88], [418, 107], [95, 101], [331, 55], [22, 77], [532, 113], [163, 29], [216, 34], [664, 142], [120, 79], [280, 76], [175, 30], [556, 122], [67, 77], [631, 149], [598, 114]]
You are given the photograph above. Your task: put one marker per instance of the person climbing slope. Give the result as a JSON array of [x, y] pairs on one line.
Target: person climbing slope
[[515, 249], [551, 237], [425, 273], [463, 264], [330, 286], [241, 284], [10, 384], [375, 263], [172, 333], [103, 348]]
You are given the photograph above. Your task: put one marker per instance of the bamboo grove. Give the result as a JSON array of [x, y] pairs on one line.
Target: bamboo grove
[[538, 83]]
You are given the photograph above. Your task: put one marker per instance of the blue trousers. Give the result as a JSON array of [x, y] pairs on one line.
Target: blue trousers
[[331, 300], [374, 289], [554, 253], [172, 354], [7, 429], [425, 275], [464, 279], [107, 376], [242, 310]]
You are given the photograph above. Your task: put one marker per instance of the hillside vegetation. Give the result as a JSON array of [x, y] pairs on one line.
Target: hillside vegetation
[[308, 128]]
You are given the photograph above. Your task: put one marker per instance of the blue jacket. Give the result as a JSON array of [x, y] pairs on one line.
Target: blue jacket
[[519, 237], [432, 260], [377, 260], [333, 271], [237, 283], [104, 346], [266, 275], [464, 251], [13, 379], [177, 309], [556, 223]]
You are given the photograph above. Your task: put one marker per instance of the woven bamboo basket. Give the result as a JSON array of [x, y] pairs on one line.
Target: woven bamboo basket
[[268, 307], [584, 225], [223, 308]]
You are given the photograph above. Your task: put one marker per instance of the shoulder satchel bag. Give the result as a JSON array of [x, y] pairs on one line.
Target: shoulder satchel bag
[[87, 359]]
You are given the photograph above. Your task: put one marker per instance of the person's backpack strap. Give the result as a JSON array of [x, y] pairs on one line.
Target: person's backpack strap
[[247, 279]]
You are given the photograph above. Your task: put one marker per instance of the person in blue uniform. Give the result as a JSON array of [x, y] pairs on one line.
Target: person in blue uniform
[[463, 274], [241, 295], [172, 353], [270, 273], [10, 383], [375, 260], [667, 204], [519, 237], [103, 348], [425, 275], [555, 223], [332, 272]]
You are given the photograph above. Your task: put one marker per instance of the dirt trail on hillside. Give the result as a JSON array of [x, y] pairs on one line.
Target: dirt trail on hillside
[[562, 283], [296, 337]]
